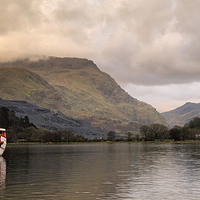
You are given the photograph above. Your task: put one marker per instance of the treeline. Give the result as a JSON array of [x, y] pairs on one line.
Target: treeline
[[190, 131], [20, 129], [16, 128]]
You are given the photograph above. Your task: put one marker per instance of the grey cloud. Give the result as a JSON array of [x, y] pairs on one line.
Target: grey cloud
[[165, 52], [168, 97], [143, 42]]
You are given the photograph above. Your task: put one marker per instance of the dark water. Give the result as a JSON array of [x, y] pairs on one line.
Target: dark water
[[101, 171]]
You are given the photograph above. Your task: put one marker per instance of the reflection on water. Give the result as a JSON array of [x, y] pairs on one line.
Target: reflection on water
[[102, 171], [2, 173]]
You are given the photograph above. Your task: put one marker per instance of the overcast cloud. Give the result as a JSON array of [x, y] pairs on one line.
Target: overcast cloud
[[150, 47]]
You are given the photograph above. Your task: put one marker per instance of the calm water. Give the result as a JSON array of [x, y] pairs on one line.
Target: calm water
[[101, 171]]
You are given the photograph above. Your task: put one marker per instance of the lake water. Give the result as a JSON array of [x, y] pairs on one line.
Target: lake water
[[101, 171]]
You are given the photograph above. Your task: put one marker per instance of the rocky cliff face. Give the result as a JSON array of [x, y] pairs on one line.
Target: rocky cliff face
[[45, 119], [78, 89]]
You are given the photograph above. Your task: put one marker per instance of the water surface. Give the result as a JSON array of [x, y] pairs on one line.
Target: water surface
[[101, 171]]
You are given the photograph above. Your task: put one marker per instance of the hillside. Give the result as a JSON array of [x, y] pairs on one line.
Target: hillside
[[21, 84], [183, 114], [81, 90], [45, 119]]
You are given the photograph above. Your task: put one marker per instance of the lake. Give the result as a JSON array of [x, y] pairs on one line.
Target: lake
[[101, 171]]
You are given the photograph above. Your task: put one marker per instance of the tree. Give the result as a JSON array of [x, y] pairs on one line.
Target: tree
[[78, 138], [47, 136], [183, 133], [154, 132], [67, 135], [175, 133], [34, 134], [194, 123], [4, 117], [129, 136], [11, 135], [57, 137], [51, 136], [146, 133], [111, 136], [160, 131]]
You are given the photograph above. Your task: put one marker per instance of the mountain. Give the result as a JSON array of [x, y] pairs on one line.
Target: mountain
[[45, 119], [78, 89], [181, 115]]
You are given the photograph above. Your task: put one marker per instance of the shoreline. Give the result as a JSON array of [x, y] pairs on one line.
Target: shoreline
[[108, 142]]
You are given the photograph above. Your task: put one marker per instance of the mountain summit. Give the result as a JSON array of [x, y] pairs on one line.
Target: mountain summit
[[77, 88]]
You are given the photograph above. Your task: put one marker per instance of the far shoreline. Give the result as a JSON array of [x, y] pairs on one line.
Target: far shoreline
[[107, 142]]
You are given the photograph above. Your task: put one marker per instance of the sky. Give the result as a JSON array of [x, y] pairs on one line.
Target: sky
[[150, 47]]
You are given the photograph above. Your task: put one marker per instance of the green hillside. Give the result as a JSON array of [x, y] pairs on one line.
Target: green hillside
[[21, 84], [79, 89]]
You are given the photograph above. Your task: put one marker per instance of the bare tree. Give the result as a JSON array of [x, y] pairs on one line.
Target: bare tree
[[111, 136], [154, 132]]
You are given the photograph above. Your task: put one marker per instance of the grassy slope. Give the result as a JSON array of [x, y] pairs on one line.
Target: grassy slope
[[21, 84]]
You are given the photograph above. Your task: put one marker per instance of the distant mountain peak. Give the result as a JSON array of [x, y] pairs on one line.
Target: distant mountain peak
[[183, 114], [189, 103]]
